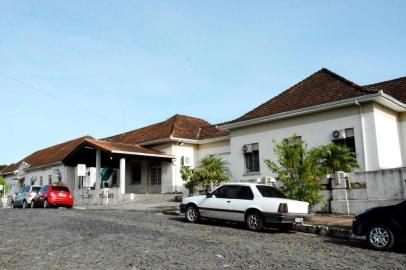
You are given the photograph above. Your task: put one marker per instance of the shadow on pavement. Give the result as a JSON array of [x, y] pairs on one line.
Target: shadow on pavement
[[401, 249], [228, 224]]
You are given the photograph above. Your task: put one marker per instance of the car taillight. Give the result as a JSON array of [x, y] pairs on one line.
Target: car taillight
[[52, 194], [70, 196], [283, 208]]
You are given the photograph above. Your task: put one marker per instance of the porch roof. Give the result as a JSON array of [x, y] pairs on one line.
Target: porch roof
[[126, 149]]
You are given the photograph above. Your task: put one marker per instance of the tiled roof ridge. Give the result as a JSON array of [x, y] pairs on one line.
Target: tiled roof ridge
[[344, 80], [372, 85]]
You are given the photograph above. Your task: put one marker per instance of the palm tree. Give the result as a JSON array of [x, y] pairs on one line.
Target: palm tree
[[338, 158]]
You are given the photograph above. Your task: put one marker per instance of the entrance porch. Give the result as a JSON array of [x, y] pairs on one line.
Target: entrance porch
[[116, 172]]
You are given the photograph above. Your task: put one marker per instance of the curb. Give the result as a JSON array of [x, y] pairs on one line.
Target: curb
[[338, 232]]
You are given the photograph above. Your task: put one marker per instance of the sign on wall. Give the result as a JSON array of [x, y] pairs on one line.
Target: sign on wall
[[81, 169]]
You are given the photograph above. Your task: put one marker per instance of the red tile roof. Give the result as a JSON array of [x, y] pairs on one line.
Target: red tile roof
[[395, 88], [178, 126], [49, 155], [322, 87], [121, 147]]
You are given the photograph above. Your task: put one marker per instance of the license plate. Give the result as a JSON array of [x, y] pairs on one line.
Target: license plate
[[62, 195], [298, 220]]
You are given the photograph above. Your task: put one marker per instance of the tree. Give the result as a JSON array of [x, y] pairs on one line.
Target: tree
[[300, 170], [338, 158], [212, 171], [5, 186]]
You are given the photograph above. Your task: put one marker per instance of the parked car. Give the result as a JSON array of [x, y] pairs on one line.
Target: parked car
[[53, 195], [24, 197], [383, 226], [255, 204]]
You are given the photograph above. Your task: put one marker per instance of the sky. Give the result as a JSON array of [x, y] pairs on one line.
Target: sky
[[75, 68]]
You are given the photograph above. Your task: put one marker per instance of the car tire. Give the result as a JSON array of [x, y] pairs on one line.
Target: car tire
[[32, 205], [46, 204], [192, 214], [25, 204], [254, 221], [380, 237]]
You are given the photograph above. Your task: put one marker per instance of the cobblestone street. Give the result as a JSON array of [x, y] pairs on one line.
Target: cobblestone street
[[128, 239]]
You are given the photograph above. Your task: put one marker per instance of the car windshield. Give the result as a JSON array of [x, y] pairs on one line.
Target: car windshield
[[60, 188], [270, 192], [35, 189]]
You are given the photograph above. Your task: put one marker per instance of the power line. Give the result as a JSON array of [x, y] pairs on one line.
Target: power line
[[49, 95]]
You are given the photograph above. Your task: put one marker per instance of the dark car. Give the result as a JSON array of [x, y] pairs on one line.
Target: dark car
[[53, 195], [383, 226]]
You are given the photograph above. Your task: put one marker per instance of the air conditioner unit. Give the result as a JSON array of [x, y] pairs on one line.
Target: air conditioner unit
[[185, 161], [270, 180], [338, 134], [247, 148]]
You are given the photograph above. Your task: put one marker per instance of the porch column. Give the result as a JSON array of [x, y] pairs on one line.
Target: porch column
[[98, 168], [122, 175]]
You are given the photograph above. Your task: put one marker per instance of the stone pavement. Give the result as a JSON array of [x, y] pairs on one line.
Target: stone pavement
[[127, 239]]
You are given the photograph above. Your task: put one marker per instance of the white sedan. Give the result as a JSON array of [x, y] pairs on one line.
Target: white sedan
[[254, 204]]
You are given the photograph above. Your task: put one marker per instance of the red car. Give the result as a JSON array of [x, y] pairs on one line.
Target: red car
[[53, 195]]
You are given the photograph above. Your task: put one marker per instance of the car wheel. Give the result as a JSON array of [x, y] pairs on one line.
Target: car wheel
[[46, 204], [380, 237], [25, 204], [254, 221], [32, 204], [192, 214]]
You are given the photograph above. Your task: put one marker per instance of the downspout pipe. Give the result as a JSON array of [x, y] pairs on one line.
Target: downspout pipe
[[362, 134]]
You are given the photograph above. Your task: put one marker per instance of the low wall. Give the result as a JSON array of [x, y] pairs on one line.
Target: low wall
[[378, 188]]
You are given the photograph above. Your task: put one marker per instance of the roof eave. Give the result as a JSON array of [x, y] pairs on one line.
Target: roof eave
[[379, 97], [142, 154]]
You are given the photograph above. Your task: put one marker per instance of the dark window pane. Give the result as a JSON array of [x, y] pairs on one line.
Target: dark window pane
[[245, 193], [227, 192], [136, 174], [270, 192], [60, 188], [35, 189]]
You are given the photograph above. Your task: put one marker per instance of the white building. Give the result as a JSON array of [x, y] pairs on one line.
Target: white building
[[145, 160], [371, 120], [326, 108]]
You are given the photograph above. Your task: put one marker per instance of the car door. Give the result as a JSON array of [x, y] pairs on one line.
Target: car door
[[20, 196], [218, 205], [239, 205], [400, 214], [39, 201]]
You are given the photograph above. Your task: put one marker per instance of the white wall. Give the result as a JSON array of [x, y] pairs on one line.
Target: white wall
[[315, 129], [36, 174], [220, 149], [403, 136], [387, 137]]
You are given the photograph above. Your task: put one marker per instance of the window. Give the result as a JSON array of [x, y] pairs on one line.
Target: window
[[156, 176], [49, 179], [41, 181], [136, 174], [227, 192], [270, 192], [35, 189], [251, 156], [348, 140], [245, 193], [60, 188]]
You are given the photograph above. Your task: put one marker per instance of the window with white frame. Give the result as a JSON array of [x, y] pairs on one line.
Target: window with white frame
[[251, 157]]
